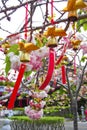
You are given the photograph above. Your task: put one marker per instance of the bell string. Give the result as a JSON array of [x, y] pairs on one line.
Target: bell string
[[26, 20], [52, 20]]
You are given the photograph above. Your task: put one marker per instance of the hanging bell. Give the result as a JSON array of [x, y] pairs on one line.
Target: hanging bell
[[80, 4], [24, 57], [75, 43], [75, 47], [72, 16], [64, 60], [52, 42]]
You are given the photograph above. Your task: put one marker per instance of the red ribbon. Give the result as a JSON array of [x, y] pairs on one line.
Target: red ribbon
[[63, 74], [50, 69], [26, 20], [17, 84]]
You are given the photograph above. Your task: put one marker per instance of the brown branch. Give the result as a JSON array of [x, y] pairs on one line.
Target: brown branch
[[81, 79], [59, 21], [16, 7]]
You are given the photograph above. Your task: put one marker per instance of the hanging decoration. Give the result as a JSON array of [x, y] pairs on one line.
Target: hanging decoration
[[75, 43], [25, 49], [63, 68], [51, 34], [16, 87], [50, 69], [63, 71], [74, 5]]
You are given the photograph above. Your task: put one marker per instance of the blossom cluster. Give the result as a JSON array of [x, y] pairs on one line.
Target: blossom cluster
[[36, 104]]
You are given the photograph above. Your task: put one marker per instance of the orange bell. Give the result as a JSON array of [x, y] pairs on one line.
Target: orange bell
[[52, 42]]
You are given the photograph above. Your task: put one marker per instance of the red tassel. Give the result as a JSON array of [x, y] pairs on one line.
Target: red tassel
[[63, 74], [50, 69], [17, 84]]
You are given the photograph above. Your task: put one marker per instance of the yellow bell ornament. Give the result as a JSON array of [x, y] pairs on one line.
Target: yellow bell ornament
[[52, 42], [70, 5], [53, 32], [80, 4], [25, 49], [74, 5], [75, 43], [24, 56]]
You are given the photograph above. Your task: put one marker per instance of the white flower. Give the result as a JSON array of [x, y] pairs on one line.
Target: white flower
[[30, 93], [15, 62], [28, 67], [47, 88], [11, 54], [43, 94], [42, 103]]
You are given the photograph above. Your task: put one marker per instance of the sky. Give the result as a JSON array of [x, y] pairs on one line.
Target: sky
[[18, 18]]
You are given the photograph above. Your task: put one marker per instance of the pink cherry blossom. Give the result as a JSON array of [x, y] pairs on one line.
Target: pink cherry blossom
[[84, 48], [32, 113]]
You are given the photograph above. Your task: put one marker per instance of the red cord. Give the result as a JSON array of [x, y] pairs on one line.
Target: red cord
[[52, 20], [26, 21]]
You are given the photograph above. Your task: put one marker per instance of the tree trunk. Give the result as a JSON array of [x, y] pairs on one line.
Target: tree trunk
[[74, 111]]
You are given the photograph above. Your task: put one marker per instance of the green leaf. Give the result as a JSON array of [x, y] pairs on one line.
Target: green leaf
[[27, 73], [8, 65], [85, 26], [14, 48], [83, 58]]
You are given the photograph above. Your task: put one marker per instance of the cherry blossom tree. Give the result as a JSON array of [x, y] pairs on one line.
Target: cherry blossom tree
[[51, 52]]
